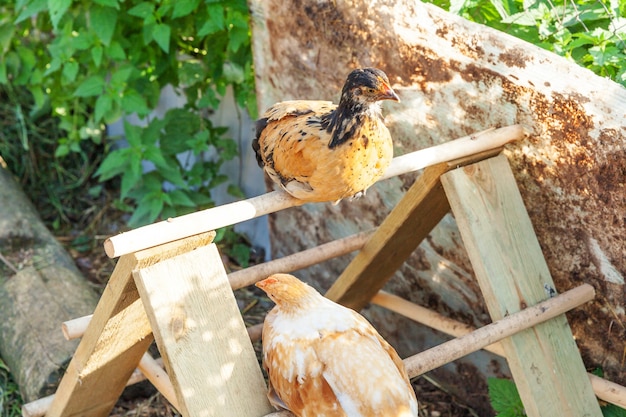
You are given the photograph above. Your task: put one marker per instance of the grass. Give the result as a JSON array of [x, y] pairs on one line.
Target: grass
[[10, 398]]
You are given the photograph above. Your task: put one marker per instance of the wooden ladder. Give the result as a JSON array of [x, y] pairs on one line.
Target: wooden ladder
[[179, 294]]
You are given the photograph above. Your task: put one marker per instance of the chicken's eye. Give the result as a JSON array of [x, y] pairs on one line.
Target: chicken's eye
[[371, 91]]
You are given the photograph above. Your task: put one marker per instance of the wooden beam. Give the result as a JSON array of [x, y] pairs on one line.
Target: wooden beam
[[512, 274], [115, 340], [202, 337]]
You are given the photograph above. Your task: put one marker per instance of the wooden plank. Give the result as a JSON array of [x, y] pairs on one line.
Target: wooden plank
[[115, 340], [421, 208], [202, 337], [512, 274]]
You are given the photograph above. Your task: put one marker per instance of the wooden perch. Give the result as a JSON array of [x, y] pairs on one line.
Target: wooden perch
[[306, 258], [498, 330], [229, 214], [469, 340], [605, 390]]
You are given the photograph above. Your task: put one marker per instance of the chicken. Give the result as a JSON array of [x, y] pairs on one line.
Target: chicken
[[318, 151], [326, 360]]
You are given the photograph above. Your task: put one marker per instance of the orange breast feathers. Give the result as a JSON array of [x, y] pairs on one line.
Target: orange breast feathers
[[318, 151], [325, 360]]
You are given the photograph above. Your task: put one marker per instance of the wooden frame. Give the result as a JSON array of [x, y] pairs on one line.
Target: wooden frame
[[196, 312]]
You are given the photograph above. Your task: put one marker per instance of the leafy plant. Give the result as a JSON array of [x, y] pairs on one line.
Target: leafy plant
[[590, 32], [506, 401], [90, 63], [10, 398]]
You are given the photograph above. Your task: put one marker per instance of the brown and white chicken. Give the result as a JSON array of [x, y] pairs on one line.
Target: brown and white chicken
[[326, 360], [318, 151]]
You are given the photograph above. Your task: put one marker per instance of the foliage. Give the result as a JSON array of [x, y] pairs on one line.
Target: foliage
[[506, 401], [504, 397], [62, 188], [10, 398], [89, 63], [589, 32]]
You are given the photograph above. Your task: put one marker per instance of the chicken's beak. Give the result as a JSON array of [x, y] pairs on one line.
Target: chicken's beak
[[387, 93]]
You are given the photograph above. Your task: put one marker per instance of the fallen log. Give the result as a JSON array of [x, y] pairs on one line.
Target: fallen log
[[40, 287]]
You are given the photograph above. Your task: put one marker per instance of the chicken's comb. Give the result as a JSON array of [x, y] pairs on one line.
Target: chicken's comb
[[266, 281]]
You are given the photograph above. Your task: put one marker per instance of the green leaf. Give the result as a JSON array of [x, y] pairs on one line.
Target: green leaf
[[235, 191], [104, 104], [33, 8], [115, 51], [150, 205], [96, 55], [180, 198], [161, 35], [113, 164], [237, 37], [142, 10], [612, 410], [92, 86], [103, 21], [57, 9], [133, 102], [133, 134], [70, 70], [154, 155], [6, 35], [191, 72], [40, 100], [215, 21], [172, 174], [108, 3], [505, 397], [241, 254], [62, 150], [3, 72], [131, 176], [184, 7], [121, 76]]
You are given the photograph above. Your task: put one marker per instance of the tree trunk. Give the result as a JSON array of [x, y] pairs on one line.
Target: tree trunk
[[46, 290]]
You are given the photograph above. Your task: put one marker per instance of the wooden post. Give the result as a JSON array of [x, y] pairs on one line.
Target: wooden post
[[115, 340], [512, 274], [202, 337]]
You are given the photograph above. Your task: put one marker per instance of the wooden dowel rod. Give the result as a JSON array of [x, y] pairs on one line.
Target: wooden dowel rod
[[75, 328], [455, 149], [605, 390], [299, 260], [158, 377], [498, 330], [608, 391], [428, 318], [199, 222], [39, 408], [229, 214]]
